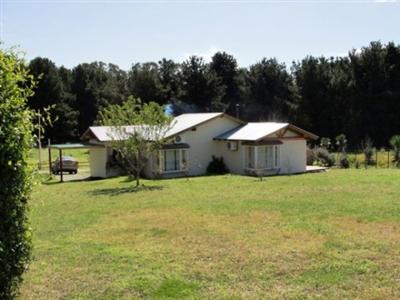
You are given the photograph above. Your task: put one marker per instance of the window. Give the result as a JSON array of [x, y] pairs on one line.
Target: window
[[173, 160], [250, 157], [262, 157], [232, 146]]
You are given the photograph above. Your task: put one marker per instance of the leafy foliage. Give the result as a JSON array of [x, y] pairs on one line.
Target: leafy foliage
[[368, 150], [15, 182], [135, 145], [217, 166], [357, 95], [395, 143], [323, 157], [344, 161]]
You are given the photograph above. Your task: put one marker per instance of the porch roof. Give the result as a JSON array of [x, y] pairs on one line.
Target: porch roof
[[257, 131]]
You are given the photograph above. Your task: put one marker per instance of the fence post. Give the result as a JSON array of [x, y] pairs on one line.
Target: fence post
[[49, 148], [388, 159]]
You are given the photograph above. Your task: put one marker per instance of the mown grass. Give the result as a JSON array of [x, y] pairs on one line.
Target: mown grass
[[329, 235]]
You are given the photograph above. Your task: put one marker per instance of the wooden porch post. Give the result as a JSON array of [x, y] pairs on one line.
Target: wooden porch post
[[255, 157]]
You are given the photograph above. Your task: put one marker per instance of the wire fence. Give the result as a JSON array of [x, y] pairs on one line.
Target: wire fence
[[375, 159]]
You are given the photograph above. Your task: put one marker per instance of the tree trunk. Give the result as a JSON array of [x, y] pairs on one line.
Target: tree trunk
[[137, 177]]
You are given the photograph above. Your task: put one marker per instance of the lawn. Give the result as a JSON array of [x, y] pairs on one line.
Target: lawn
[[330, 235]]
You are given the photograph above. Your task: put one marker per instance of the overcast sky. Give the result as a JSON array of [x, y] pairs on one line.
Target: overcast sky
[[124, 32]]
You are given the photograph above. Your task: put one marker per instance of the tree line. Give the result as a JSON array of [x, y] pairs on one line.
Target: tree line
[[357, 95]]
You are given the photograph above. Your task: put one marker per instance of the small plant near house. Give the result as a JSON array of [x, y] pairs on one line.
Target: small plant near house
[[395, 143], [217, 166], [323, 157], [368, 150]]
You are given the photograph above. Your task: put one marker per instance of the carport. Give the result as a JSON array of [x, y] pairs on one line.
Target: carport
[[60, 148]]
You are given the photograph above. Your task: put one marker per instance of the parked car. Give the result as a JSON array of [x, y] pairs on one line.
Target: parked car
[[69, 164]]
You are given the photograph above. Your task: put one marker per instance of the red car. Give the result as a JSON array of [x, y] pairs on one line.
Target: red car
[[69, 164]]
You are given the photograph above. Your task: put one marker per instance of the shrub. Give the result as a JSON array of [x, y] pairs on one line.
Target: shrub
[[15, 178], [344, 161], [395, 143], [325, 143], [341, 142], [310, 156], [368, 151], [217, 166], [323, 157]]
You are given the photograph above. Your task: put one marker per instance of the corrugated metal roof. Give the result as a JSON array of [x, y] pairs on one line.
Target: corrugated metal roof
[[252, 131], [109, 133], [179, 124], [186, 121]]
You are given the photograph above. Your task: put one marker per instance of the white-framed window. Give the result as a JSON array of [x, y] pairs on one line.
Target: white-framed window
[[173, 160], [232, 145], [262, 157]]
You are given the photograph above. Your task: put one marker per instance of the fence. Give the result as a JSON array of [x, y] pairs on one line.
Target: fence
[[379, 159]]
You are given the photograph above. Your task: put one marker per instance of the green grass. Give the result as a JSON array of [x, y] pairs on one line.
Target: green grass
[[327, 235]]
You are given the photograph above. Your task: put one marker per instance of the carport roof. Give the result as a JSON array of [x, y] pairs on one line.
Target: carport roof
[[71, 146]]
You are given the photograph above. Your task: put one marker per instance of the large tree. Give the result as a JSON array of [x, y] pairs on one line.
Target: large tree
[[15, 182], [270, 91], [201, 86], [226, 68], [96, 85]]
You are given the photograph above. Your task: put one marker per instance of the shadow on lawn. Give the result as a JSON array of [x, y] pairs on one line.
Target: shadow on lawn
[[124, 190]]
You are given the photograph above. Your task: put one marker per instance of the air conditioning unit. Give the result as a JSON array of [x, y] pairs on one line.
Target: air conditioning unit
[[178, 139], [232, 146]]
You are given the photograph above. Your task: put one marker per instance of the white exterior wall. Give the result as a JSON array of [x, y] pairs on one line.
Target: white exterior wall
[[202, 146], [293, 156], [234, 160], [98, 161], [202, 143]]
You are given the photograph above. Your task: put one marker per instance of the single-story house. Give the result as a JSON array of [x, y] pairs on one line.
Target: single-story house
[[259, 148]]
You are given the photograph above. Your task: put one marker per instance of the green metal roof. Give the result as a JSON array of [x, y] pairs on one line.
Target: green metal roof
[[72, 146]]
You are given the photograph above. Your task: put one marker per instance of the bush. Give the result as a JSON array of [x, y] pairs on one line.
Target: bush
[[344, 161], [395, 143], [368, 151], [323, 157], [15, 178], [310, 156], [217, 166]]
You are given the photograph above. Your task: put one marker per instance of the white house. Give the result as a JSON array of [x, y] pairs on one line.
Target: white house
[[263, 148]]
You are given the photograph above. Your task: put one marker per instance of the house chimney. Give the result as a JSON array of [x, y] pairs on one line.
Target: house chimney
[[237, 110]]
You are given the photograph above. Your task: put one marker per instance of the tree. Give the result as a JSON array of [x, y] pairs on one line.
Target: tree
[[168, 78], [226, 68], [143, 82], [53, 89], [15, 182], [201, 86], [137, 132], [96, 85], [270, 91], [395, 143]]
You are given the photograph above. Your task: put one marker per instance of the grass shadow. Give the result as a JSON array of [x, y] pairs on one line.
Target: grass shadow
[[54, 180], [124, 190]]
